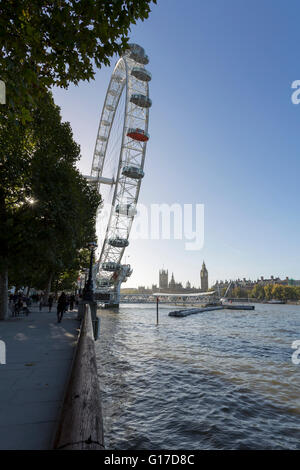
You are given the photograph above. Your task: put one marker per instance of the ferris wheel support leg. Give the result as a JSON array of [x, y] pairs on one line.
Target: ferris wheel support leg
[[115, 296], [118, 293]]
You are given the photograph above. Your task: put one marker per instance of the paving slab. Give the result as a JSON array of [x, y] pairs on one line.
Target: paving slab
[[39, 354]]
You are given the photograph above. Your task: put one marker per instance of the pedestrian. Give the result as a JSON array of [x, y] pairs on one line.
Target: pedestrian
[[50, 302], [67, 303], [61, 306], [41, 304], [20, 303], [25, 308]]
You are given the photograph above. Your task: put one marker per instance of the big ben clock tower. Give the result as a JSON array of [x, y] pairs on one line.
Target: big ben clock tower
[[204, 278]]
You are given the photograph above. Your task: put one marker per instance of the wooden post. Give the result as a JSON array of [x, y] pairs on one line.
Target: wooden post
[[157, 300]]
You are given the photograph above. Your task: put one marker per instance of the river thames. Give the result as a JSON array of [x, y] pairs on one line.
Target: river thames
[[215, 380]]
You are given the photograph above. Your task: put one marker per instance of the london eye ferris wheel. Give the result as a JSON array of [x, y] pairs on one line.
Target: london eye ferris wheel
[[118, 166]]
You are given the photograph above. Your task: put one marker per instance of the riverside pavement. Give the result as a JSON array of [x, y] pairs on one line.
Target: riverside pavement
[[39, 353]]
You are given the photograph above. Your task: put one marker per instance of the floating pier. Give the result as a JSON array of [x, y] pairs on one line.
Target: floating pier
[[192, 311], [239, 307]]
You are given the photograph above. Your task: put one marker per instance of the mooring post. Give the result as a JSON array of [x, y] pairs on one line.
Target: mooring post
[[157, 300]]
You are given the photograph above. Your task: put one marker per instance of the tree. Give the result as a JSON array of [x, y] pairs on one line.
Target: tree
[[238, 292], [66, 206], [268, 291], [278, 292], [46, 43], [59, 218], [67, 280], [290, 293], [15, 157], [257, 292]]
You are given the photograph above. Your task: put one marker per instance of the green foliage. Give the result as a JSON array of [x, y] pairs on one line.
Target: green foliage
[[46, 43], [257, 292], [60, 219], [67, 281], [275, 291], [15, 159], [268, 292], [239, 293]]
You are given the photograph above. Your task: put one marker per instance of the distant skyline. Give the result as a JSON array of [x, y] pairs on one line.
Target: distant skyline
[[210, 284], [223, 133]]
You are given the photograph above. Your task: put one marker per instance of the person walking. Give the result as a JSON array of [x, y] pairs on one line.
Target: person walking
[[72, 300], [61, 306], [19, 304], [50, 302]]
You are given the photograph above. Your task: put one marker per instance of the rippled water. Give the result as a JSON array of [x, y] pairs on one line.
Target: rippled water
[[215, 380]]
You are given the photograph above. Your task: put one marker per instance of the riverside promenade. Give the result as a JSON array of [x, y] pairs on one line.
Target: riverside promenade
[[39, 354]]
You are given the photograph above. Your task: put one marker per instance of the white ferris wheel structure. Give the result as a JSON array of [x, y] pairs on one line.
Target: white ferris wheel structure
[[118, 167]]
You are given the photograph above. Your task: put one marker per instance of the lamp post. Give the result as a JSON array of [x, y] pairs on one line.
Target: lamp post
[[88, 291]]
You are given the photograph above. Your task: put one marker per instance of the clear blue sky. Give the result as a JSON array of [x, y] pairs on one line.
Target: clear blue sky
[[224, 133]]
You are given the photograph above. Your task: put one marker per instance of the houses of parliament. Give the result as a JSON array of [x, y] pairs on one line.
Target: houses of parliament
[[172, 286]]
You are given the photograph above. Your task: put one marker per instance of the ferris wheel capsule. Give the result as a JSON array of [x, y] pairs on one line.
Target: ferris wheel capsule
[[102, 282], [137, 53], [111, 266], [118, 242], [141, 74], [126, 209], [138, 134], [141, 100], [133, 172]]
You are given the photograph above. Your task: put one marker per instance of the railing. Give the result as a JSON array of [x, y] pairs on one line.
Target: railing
[[81, 425]]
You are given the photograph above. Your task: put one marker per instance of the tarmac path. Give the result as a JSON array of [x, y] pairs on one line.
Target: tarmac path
[[39, 353]]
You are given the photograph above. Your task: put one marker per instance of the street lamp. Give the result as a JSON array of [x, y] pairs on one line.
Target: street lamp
[[88, 291]]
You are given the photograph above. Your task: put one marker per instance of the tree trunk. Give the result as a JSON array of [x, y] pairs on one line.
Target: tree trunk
[[48, 289], [4, 294]]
